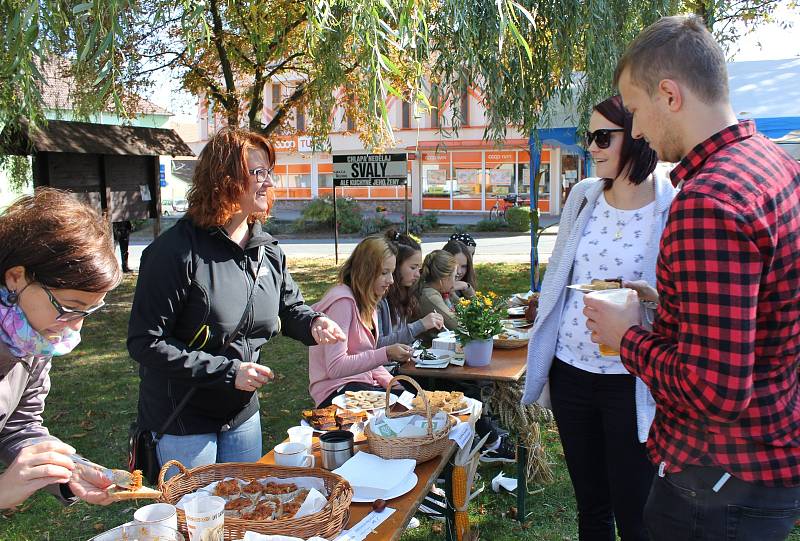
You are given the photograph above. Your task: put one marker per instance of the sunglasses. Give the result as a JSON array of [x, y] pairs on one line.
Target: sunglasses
[[262, 174], [65, 314], [601, 137]]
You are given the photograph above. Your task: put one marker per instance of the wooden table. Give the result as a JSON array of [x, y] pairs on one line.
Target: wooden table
[[405, 506], [507, 365]]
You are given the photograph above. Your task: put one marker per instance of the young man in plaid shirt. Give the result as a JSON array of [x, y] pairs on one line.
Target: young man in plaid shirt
[[723, 356]]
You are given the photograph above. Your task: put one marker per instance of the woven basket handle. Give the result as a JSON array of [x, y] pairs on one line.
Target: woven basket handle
[[420, 392], [164, 469]]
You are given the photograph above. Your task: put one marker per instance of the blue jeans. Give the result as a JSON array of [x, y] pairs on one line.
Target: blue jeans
[[684, 506], [242, 444]]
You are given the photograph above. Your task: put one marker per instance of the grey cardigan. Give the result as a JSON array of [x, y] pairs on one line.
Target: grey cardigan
[[542, 345], [24, 384], [401, 333]]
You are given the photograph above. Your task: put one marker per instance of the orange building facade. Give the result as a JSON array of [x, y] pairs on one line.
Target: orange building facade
[[448, 174]]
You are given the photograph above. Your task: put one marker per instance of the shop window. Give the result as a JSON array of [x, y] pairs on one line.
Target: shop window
[[325, 180]]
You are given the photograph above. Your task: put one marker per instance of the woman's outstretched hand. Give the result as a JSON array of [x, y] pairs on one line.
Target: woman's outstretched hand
[[327, 331]]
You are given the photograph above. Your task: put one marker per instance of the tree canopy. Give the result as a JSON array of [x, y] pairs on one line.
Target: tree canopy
[[520, 56]]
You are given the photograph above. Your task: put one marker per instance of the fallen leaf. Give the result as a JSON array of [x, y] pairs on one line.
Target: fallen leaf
[[99, 527], [78, 435], [512, 512]]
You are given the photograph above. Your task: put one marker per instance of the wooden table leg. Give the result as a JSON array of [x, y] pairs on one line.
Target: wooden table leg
[[522, 481], [449, 513]]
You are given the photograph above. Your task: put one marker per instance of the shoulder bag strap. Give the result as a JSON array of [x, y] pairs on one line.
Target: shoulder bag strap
[[228, 342]]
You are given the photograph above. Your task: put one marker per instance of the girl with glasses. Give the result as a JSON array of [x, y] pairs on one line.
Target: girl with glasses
[[56, 265], [212, 292], [610, 229]]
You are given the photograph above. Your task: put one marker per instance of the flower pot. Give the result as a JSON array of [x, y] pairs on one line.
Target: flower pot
[[478, 352]]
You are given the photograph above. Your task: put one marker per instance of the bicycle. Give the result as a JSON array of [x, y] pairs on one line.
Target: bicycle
[[501, 206]]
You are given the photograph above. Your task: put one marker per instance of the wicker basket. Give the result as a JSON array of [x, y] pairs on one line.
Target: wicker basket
[[420, 448], [326, 523], [510, 343]]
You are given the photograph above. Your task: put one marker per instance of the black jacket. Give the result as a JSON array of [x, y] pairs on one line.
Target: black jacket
[[190, 277]]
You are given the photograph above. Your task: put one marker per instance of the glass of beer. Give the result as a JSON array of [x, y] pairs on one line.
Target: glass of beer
[[616, 296]]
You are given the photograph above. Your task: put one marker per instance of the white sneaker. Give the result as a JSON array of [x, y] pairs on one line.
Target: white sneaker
[[413, 523]]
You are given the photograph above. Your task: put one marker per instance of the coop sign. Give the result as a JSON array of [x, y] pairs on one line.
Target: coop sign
[[370, 170]]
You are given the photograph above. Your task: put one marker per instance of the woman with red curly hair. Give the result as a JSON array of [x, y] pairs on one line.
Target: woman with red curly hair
[[212, 291]]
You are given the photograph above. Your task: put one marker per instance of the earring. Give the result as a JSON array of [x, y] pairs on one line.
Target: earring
[[13, 297]]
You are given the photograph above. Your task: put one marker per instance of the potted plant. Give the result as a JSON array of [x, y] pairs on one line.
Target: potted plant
[[478, 321]]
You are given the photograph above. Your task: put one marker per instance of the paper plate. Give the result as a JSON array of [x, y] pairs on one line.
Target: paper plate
[[398, 490], [441, 356], [517, 311]]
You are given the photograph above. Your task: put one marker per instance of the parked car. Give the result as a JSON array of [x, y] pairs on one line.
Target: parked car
[[180, 205]]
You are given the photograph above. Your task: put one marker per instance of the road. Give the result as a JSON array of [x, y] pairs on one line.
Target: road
[[510, 249]]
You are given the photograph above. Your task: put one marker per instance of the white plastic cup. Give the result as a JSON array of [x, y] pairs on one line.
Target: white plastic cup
[[162, 514], [205, 517], [615, 296], [301, 434], [293, 454]]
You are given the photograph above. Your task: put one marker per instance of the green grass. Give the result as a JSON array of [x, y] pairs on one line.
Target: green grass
[[93, 400]]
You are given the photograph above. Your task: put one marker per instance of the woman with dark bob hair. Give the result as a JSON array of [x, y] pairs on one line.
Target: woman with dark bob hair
[[56, 265], [212, 291], [610, 230]]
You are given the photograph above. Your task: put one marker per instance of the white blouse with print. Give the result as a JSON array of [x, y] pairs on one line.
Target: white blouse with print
[[612, 246]]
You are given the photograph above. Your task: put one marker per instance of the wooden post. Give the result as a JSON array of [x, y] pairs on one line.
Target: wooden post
[[155, 184], [405, 207], [335, 226]]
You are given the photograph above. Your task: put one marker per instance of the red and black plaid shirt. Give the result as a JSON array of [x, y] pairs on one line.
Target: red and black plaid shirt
[[722, 360]]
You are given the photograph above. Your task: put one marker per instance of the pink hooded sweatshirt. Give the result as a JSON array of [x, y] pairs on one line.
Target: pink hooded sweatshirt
[[331, 366]]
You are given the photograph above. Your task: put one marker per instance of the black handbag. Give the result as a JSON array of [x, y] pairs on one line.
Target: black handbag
[[141, 441]]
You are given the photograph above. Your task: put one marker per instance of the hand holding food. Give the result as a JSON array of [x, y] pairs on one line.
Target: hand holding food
[[399, 352], [433, 320], [91, 485], [327, 331], [645, 291], [35, 467], [252, 376]]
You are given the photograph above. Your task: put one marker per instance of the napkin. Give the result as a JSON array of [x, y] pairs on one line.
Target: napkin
[[313, 503], [508, 483], [371, 476]]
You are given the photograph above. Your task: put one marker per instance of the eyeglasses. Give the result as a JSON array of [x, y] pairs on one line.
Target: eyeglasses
[[65, 314], [601, 137], [262, 174]]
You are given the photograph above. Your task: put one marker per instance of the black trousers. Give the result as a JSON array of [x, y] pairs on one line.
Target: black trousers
[[685, 506], [609, 468]]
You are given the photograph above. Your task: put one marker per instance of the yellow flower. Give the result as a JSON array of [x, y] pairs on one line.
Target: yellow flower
[[492, 294], [488, 301], [464, 302]]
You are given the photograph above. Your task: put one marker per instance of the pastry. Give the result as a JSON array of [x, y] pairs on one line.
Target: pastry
[[119, 494], [279, 488], [253, 487], [227, 488]]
